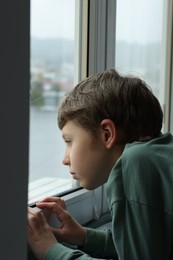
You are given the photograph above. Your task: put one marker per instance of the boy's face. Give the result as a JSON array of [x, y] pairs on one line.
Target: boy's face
[[87, 157]]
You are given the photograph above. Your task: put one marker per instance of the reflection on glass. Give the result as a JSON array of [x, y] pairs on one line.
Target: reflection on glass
[[52, 73], [139, 41]]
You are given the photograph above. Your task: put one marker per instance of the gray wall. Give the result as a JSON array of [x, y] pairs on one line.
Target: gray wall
[[14, 114]]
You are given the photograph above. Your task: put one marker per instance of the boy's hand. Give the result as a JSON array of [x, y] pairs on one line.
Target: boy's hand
[[70, 231], [40, 236]]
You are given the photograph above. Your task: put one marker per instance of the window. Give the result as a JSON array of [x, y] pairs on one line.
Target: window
[[46, 169], [142, 44], [52, 71]]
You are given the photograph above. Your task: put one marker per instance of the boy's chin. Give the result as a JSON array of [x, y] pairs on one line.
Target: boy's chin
[[89, 186]]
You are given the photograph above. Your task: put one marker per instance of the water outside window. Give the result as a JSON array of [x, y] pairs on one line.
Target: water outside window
[[52, 75]]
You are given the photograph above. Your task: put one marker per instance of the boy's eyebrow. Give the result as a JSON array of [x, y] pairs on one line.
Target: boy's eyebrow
[[64, 136]]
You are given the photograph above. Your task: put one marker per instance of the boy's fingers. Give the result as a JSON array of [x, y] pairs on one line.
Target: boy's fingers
[[54, 207], [32, 211], [57, 200], [35, 218]]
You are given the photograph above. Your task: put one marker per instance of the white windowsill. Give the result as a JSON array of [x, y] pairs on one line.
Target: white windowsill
[[82, 204]]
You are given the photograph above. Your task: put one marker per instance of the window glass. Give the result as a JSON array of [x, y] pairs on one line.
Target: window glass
[[140, 42], [52, 75]]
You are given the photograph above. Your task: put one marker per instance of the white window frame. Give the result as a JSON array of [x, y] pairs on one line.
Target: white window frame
[[167, 63], [97, 25], [169, 66]]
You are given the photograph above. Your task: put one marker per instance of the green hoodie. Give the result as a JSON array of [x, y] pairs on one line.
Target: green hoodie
[[140, 198]]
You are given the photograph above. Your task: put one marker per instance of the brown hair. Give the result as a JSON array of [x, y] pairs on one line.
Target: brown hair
[[127, 101]]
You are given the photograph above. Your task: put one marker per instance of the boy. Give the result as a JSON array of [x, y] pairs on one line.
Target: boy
[[112, 128]]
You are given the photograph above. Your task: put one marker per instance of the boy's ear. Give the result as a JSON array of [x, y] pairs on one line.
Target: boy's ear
[[109, 132]]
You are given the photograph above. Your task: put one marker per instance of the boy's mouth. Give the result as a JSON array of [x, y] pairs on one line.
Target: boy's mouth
[[73, 175]]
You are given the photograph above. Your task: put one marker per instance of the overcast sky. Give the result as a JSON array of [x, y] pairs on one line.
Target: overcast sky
[[55, 18], [52, 18], [140, 20]]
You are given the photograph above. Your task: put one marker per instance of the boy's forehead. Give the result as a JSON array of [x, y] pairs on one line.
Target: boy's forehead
[[66, 131], [65, 128], [69, 125]]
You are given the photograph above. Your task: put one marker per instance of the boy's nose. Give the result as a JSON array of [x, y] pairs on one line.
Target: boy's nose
[[66, 160]]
